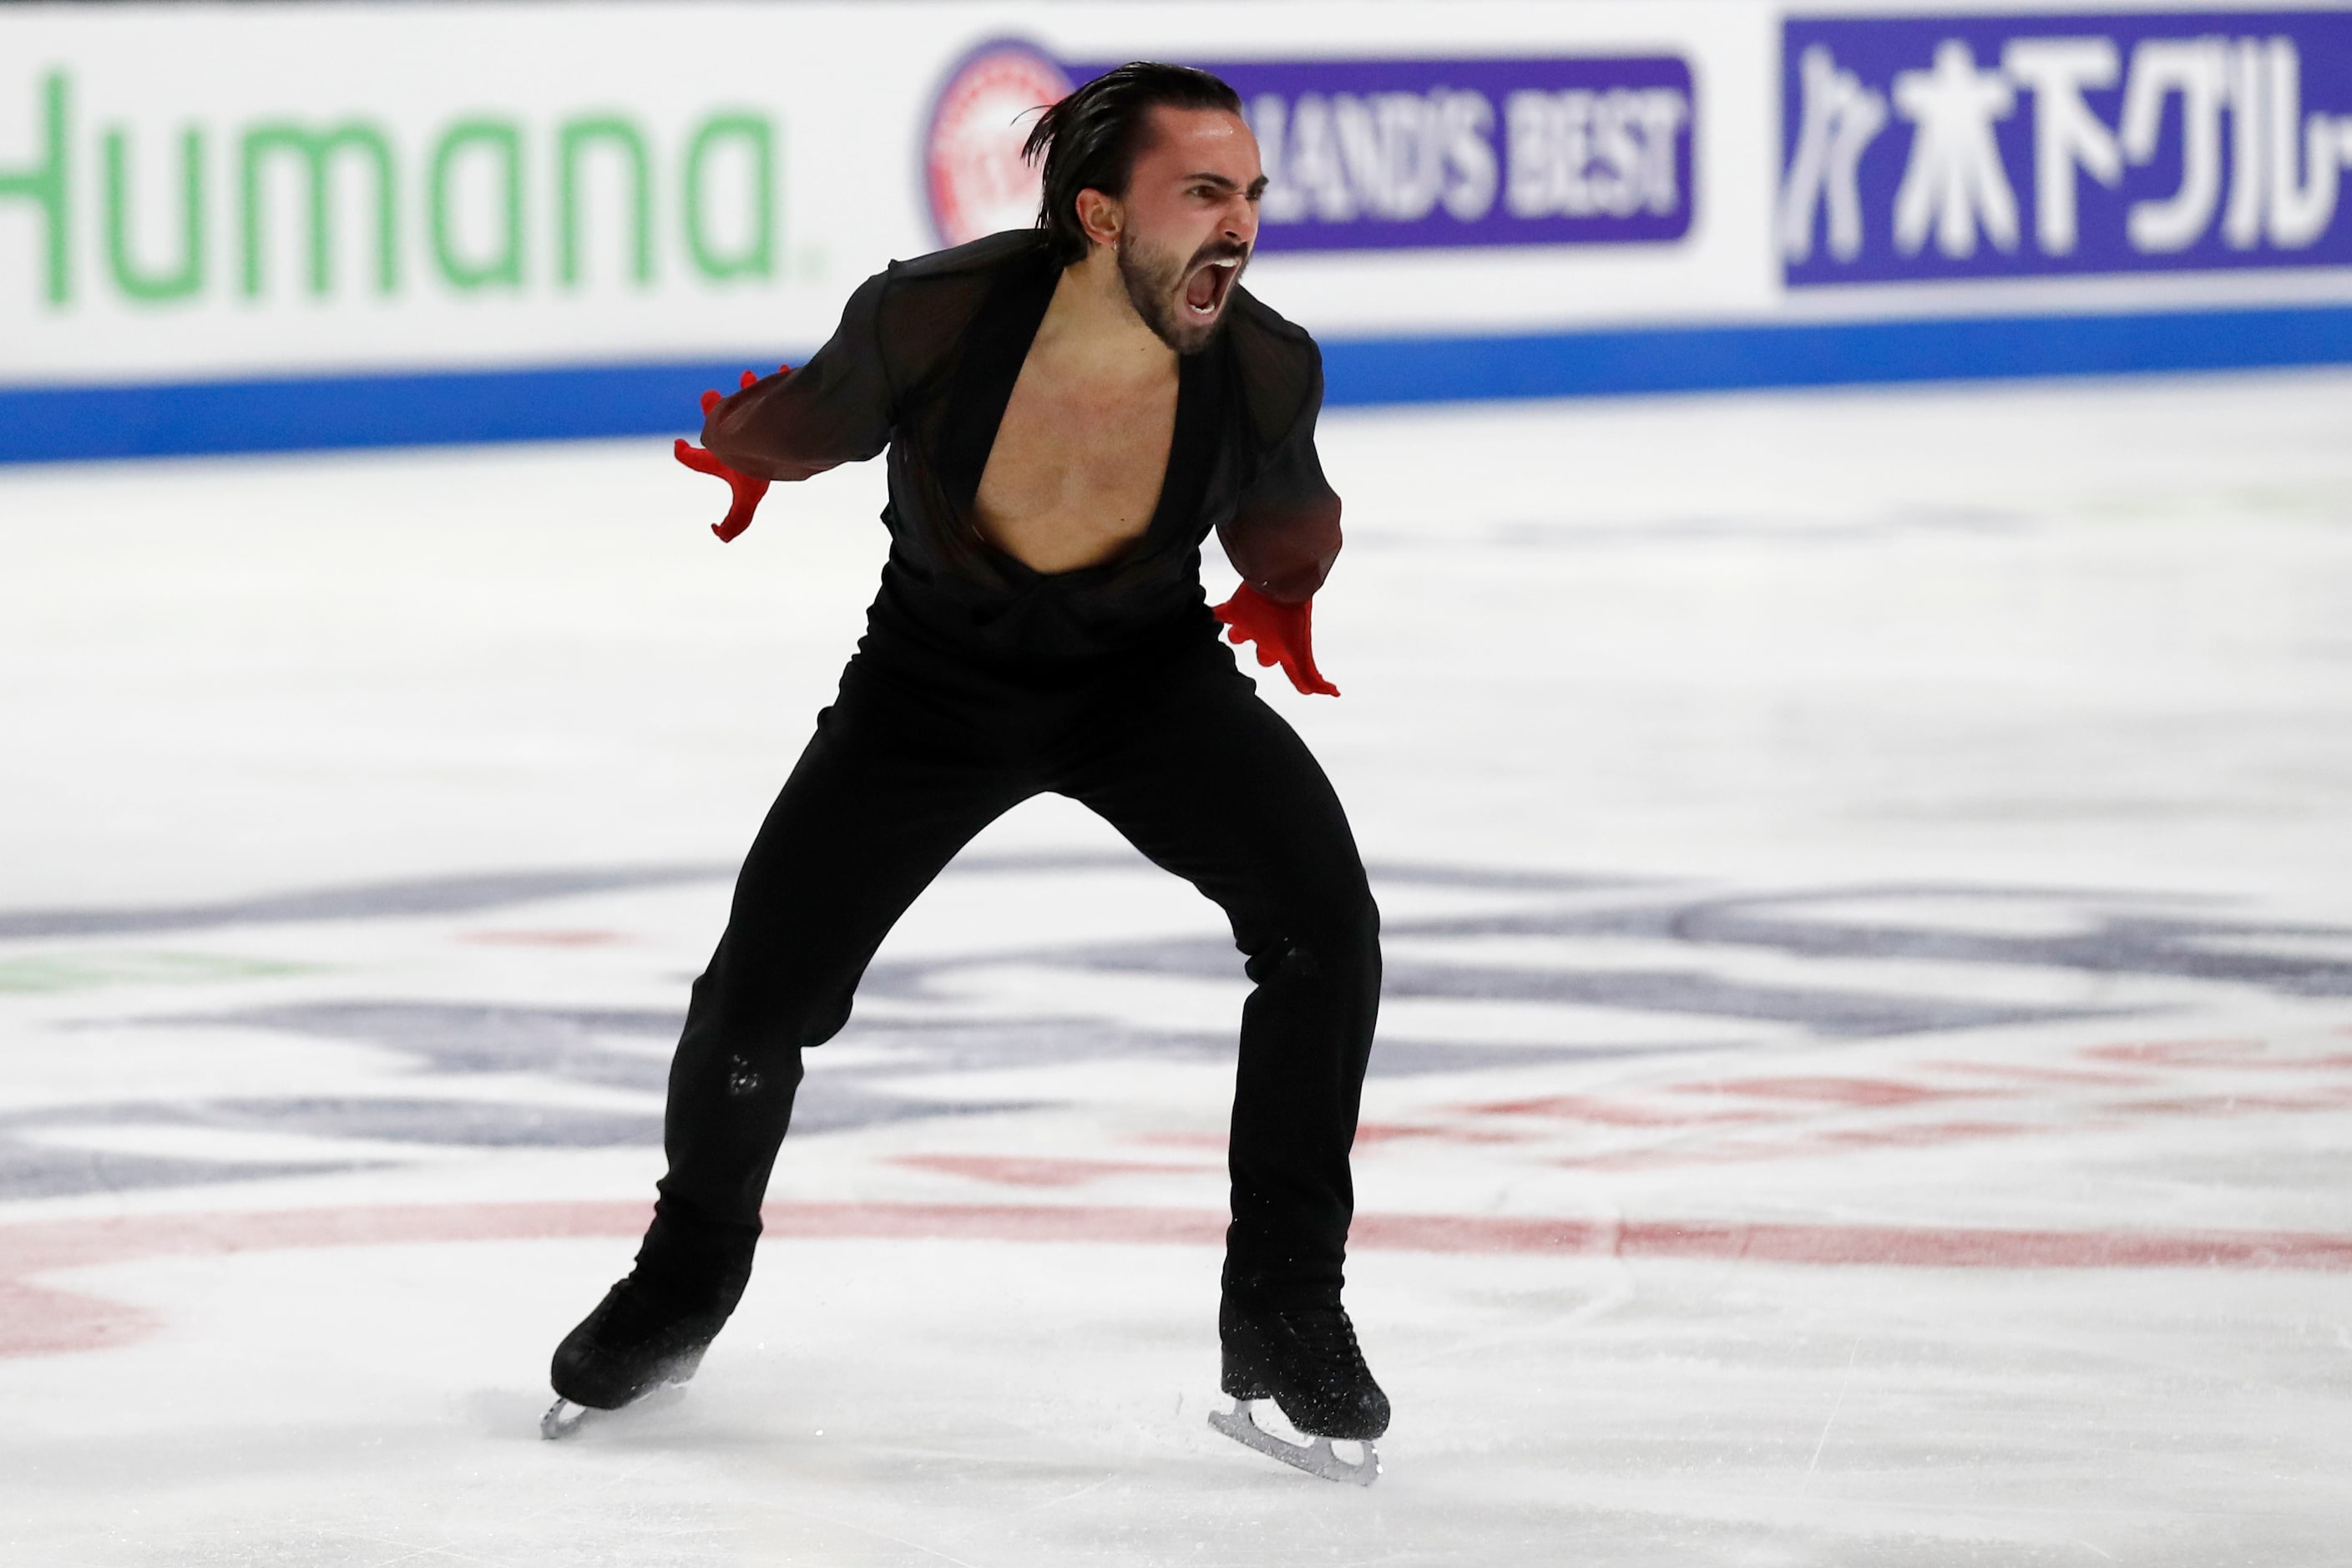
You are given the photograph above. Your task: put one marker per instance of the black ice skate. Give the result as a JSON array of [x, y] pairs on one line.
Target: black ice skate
[[1306, 1359], [649, 1332]]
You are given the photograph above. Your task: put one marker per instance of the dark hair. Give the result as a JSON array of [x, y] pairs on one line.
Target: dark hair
[[1090, 140]]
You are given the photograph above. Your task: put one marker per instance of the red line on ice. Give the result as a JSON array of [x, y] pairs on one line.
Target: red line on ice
[[1039, 1171], [36, 1320], [1613, 1113], [1863, 1092]]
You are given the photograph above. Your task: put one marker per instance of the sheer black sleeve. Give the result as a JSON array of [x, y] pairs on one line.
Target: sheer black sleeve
[[1285, 534], [836, 409]]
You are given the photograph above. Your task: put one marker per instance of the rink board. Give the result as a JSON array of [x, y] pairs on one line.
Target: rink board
[[80, 423], [380, 225]]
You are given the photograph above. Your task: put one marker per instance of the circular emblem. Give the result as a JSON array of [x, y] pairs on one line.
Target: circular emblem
[[973, 166]]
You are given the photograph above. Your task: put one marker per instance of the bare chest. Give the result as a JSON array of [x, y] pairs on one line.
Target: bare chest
[[1076, 472]]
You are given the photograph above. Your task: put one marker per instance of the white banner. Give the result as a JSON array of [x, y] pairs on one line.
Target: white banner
[[193, 192], [197, 190]]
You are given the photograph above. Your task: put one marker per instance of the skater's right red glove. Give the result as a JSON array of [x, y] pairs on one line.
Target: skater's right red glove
[[745, 490], [1283, 635]]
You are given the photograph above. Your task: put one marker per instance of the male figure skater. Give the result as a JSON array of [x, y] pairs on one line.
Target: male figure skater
[[1068, 410]]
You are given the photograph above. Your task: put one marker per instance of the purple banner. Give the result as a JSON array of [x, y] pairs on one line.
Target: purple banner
[[1949, 147], [1394, 154]]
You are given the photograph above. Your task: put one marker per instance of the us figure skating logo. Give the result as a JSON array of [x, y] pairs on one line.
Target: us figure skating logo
[[973, 169]]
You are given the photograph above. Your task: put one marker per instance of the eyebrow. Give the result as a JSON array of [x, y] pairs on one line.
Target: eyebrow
[[1205, 177]]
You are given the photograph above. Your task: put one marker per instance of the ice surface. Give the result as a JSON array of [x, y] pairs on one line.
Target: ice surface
[[1866, 1076]]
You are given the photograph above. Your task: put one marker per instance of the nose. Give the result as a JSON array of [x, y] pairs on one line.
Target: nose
[[1240, 223]]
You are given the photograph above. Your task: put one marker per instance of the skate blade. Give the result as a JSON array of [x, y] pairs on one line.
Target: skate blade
[[564, 1419], [1317, 1459]]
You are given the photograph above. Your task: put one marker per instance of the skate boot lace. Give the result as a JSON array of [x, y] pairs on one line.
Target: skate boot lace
[[1329, 1337]]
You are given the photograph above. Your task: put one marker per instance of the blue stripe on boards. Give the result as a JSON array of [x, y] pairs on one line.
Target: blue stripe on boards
[[309, 413], [47, 424], [1716, 359]]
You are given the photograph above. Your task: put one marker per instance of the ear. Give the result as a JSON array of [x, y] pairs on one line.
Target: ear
[[1102, 217]]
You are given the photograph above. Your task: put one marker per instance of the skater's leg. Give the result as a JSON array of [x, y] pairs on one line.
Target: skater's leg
[[870, 817], [878, 802], [1210, 783]]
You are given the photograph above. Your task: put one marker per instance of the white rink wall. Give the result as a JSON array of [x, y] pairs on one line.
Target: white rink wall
[[370, 224]]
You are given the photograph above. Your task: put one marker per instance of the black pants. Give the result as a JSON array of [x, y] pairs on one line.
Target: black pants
[[1172, 747]]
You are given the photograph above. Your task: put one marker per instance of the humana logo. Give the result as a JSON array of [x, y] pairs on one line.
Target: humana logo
[[488, 204]]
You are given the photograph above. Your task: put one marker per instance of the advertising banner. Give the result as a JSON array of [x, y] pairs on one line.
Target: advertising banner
[[410, 186], [1376, 154], [2032, 144], [243, 226], [1385, 154]]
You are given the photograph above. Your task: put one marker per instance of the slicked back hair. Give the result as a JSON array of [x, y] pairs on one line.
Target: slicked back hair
[[1090, 140]]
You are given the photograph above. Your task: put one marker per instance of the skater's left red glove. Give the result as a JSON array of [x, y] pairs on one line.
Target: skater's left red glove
[[746, 490], [1282, 633]]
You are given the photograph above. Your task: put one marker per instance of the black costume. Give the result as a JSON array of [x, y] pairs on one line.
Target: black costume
[[924, 362], [981, 682]]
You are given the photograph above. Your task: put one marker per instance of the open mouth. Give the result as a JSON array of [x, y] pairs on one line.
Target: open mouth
[[1205, 291]]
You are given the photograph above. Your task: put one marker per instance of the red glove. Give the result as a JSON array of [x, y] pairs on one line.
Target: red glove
[[746, 489], [1281, 633]]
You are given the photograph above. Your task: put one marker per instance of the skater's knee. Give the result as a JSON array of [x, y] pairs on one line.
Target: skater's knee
[[1338, 943], [794, 1025], [753, 1071], [775, 1002], [1347, 927], [767, 1016], [824, 1023]]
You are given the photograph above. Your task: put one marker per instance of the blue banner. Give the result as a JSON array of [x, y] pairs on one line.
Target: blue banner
[[1402, 154], [2020, 145]]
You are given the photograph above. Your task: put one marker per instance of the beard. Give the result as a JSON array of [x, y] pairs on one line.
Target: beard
[[1155, 283]]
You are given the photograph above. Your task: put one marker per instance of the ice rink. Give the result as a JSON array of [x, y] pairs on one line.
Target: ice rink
[[1865, 1075]]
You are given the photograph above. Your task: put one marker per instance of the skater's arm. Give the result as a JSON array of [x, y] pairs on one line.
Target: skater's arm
[[834, 409], [1284, 533], [1281, 539]]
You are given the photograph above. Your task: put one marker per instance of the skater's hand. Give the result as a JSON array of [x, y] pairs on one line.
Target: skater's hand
[[1282, 633], [745, 491]]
